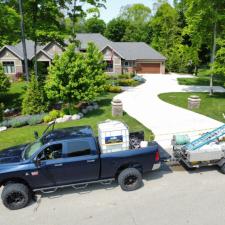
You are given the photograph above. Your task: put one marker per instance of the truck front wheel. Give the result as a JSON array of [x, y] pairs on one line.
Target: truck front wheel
[[130, 179], [16, 196], [222, 168]]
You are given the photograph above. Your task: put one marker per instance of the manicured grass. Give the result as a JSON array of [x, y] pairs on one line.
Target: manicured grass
[[15, 136], [211, 106], [13, 98], [203, 79]]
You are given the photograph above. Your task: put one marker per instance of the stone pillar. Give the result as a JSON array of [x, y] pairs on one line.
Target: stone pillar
[[117, 107], [194, 102]]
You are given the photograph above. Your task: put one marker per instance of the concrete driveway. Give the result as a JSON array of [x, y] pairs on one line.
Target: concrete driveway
[[162, 118]]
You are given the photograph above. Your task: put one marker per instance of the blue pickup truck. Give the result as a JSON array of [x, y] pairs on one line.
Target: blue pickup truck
[[69, 157]]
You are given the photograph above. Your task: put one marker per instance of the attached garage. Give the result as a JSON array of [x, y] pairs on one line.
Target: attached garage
[[148, 68]]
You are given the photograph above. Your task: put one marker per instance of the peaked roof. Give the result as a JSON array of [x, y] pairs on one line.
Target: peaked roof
[[97, 38], [126, 50], [137, 50], [30, 48]]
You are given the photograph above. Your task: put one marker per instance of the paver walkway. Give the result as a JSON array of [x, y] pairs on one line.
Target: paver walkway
[[162, 118]]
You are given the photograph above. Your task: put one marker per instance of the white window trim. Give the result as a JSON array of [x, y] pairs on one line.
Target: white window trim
[[8, 60]]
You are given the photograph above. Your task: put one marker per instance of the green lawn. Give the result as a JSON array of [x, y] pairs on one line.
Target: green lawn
[[15, 136], [203, 79], [211, 106], [13, 98]]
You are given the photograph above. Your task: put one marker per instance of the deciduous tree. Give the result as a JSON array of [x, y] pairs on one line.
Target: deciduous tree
[[116, 29], [75, 77]]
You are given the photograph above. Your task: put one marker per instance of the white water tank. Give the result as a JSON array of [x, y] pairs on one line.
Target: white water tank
[[113, 136]]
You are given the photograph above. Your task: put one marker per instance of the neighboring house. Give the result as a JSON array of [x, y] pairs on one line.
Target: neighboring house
[[120, 57]]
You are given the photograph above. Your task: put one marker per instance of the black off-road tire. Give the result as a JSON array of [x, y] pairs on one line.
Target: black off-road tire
[[16, 196], [222, 169], [130, 179]]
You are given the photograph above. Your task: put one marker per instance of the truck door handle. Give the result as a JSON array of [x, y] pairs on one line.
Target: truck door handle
[[58, 164], [91, 161]]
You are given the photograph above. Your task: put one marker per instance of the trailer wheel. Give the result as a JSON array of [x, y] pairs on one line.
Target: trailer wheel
[[222, 168], [130, 179], [16, 196]]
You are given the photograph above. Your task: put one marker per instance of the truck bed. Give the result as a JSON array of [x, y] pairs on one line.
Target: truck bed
[[144, 157]]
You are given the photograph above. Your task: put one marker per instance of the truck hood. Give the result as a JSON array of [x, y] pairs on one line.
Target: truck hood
[[12, 155]]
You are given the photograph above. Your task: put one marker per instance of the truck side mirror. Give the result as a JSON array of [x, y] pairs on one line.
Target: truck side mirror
[[37, 162], [36, 134]]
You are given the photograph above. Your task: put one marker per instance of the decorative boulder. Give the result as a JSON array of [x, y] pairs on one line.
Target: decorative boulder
[[81, 115], [67, 117], [95, 106], [84, 111], [3, 129], [76, 117], [6, 111], [60, 120], [90, 108]]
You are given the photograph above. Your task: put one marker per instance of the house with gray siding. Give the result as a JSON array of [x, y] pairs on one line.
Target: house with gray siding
[[120, 57]]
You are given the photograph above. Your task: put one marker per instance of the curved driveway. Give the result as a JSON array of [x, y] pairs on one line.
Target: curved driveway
[[162, 118]]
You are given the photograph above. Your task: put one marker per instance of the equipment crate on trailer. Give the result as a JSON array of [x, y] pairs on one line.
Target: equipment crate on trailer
[[208, 150]]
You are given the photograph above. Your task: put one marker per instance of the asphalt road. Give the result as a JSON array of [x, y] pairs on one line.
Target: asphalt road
[[170, 196]]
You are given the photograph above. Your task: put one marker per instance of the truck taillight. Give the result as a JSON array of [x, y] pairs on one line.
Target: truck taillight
[[157, 156]]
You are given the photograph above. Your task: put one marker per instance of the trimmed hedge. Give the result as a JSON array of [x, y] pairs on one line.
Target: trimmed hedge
[[114, 89], [21, 121]]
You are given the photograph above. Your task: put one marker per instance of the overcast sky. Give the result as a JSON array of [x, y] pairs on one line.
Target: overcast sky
[[113, 7]]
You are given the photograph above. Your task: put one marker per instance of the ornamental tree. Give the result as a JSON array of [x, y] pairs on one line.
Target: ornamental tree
[[4, 81], [34, 100], [75, 77]]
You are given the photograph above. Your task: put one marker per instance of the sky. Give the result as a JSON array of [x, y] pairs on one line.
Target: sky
[[113, 7]]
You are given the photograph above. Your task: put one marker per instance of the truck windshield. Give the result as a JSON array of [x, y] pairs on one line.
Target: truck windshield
[[32, 148]]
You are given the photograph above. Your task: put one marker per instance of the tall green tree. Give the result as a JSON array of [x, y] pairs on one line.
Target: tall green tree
[[205, 20], [76, 11], [95, 25], [75, 77], [137, 17], [9, 25], [116, 29], [219, 63]]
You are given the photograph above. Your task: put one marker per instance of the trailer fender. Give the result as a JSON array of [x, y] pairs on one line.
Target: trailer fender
[[221, 162]]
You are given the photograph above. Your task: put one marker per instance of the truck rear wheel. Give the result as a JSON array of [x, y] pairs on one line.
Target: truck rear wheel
[[130, 179], [16, 196]]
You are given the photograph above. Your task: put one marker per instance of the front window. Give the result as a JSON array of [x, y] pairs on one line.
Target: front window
[[9, 67], [51, 152], [32, 148], [109, 66]]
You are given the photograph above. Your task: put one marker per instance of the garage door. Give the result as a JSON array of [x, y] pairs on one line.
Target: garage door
[[148, 67]]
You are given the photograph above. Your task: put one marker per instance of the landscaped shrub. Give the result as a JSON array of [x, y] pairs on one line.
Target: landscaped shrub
[[128, 82], [70, 110], [139, 79], [5, 123], [4, 80], [124, 76], [19, 121], [114, 89], [47, 119], [1, 111], [54, 114], [19, 76], [36, 119]]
